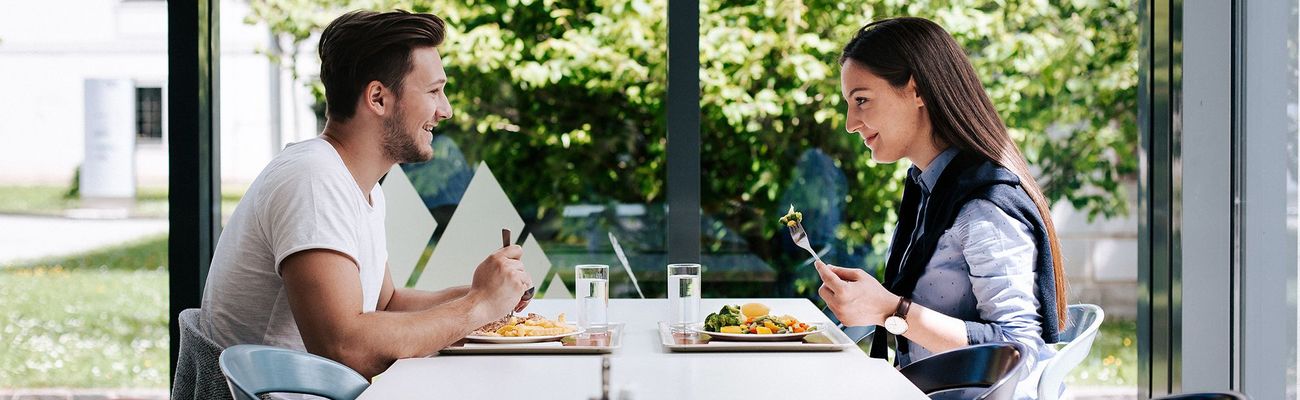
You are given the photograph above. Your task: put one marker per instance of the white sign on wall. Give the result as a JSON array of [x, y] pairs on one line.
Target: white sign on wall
[[108, 171]]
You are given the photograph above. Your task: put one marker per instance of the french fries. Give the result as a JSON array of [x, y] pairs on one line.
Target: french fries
[[533, 325]]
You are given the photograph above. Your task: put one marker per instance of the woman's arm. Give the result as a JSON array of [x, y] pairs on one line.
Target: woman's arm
[[1000, 253], [858, 299]]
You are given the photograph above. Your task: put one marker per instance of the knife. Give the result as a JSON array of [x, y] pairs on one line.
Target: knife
[[618, 250], [528, 295]]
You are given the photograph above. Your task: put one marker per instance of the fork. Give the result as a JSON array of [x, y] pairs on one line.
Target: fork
[[800, 238], [528, 294]]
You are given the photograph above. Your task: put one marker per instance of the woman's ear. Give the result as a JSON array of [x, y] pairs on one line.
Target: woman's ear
[[916, 95], [375, 97]]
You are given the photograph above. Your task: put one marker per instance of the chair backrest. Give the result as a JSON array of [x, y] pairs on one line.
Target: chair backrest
[[1081, 329], [254, 370], [197, 374], [983, 371], [858, 333], [1206, 396]]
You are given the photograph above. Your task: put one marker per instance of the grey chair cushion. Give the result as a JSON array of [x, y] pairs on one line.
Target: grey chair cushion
[[198, 375]]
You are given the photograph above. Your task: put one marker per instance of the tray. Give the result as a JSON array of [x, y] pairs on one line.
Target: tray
[[828, 338], [589, 343]]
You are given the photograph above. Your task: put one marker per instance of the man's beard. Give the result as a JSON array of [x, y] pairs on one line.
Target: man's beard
[[398, 145]]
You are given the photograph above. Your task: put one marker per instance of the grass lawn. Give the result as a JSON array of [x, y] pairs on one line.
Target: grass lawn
[[93, 320], [49, 200], [1113, 360]]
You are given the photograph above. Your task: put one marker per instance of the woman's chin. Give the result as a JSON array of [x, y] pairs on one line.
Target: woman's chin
[[883, 158]]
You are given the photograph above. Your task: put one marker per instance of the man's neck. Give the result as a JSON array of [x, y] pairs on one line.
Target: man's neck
[[361, 152]]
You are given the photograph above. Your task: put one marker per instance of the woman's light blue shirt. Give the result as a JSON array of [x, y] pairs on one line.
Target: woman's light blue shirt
[[982, 271]]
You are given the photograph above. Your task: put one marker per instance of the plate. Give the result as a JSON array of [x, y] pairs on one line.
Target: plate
[[521, 339], [590, 343], [826, 338], [751, 337]]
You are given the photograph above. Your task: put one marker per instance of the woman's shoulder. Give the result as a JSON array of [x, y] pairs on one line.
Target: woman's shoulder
[[989, 216]]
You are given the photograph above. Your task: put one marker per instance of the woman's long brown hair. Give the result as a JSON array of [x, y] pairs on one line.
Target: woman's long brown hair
[[961, 114]]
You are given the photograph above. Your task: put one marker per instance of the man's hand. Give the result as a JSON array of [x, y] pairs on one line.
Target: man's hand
[[500, 279], [855, 296]]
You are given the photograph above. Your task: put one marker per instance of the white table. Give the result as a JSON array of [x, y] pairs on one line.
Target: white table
[[643, 369]]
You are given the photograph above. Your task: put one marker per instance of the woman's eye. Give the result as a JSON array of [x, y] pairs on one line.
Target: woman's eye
[[860, 100]]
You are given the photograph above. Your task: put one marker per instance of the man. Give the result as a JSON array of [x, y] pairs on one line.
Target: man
[[302, 263]]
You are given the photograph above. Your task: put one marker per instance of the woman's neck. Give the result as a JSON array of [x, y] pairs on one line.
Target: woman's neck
[[923, 156]]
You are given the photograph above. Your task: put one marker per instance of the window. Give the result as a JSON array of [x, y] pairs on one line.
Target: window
[[148, 113]]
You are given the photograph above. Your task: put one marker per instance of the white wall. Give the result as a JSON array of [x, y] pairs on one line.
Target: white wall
[[46, 56]]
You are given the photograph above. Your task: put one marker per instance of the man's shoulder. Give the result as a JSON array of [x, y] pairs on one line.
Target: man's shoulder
[[307, 160]]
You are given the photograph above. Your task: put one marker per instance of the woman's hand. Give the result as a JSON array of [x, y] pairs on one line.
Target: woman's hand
[[855, 296]]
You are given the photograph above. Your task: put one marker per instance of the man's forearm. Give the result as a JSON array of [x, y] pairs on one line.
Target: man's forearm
[[373, 341], [405, 299]]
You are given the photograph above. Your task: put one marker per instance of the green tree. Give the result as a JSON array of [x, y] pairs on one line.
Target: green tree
[[575, 90]]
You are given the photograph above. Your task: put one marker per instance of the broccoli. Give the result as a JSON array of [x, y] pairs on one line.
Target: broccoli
[[729, 315]]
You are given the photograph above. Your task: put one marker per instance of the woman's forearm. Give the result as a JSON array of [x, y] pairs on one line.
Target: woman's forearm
[[934, 330]]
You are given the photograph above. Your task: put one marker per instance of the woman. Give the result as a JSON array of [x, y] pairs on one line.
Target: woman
[[975, 257]]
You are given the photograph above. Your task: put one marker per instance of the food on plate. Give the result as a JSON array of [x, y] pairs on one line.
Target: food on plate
[[532, 325], [754, 309], [792, 217], [753, 318]]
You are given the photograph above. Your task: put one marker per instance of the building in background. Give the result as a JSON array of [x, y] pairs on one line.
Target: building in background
[[49, 51]]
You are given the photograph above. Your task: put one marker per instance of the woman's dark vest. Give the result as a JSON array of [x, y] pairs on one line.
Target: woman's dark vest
[[967, 177]]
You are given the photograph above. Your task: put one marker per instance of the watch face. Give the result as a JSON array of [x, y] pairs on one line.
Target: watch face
[[896, 325]]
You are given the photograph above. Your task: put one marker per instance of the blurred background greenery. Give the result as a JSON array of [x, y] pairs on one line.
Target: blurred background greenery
[[526, 76]]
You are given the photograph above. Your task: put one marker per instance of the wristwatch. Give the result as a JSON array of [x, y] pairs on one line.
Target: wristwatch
[[897, 323]]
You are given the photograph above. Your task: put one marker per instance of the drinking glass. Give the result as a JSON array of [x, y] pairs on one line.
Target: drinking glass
[[684, 294], [592, 296]]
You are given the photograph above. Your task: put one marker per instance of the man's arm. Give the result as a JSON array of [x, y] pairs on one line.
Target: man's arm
[[325, 296], [406, 299]]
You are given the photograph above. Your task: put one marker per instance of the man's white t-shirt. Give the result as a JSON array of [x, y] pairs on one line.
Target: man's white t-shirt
[[305, 199]]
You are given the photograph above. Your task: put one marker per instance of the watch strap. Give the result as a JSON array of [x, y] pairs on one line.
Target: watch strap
[[904, 304]]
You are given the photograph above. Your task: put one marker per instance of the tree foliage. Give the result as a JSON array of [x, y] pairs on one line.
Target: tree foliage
[[567, 98]]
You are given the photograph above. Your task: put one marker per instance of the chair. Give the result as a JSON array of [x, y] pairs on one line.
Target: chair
[[988, 371], [1081, 328], [1206, 396], [254, 370], [197, 374]]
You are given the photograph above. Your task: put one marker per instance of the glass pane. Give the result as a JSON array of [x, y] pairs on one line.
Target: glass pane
[[1293, 154], [83, 200], [557, 134], [1063, 77]]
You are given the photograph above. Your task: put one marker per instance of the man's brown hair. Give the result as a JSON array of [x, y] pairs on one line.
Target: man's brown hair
[[364, 46]]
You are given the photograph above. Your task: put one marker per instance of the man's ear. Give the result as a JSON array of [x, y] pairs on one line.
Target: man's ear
[[916, 95], [376, 98]]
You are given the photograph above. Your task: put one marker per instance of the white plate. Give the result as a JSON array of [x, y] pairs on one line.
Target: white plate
[[566, 345], [825, 338], [520, 339], [751, 337]]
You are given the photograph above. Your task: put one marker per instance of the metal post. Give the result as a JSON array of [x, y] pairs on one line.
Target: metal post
[[683, 131], [194, 181]]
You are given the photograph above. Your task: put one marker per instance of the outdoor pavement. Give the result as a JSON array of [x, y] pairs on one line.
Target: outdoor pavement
[[25, 237]]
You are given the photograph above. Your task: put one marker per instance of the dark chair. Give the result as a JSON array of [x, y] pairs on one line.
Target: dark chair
[[987, 371], [1205, 396], [198, 377]]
